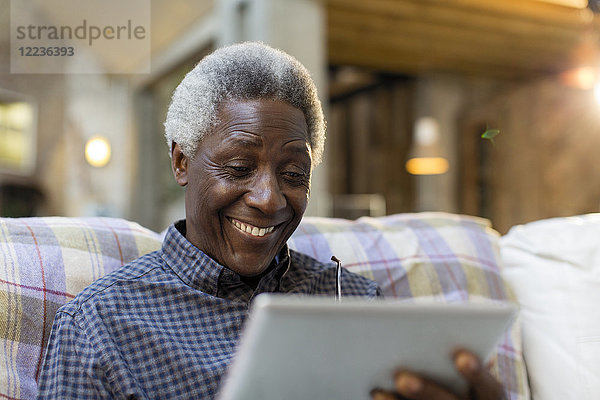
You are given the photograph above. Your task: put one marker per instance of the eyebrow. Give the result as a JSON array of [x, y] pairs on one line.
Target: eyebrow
[[298, 146], [301, 150], [244, 141], [297, 143]]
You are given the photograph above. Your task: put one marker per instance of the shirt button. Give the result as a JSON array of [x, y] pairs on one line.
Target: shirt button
[[227, 277]]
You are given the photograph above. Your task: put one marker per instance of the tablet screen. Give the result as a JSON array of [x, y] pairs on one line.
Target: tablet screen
[[314, 348]]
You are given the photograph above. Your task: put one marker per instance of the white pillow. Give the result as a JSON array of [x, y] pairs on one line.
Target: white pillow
[[554, 268]]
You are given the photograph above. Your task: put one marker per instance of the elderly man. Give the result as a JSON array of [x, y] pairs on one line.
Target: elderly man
[[245, 129]]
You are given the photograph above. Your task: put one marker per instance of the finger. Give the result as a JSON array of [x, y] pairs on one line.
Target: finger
[[414, 387], [380, 394], [483, 385]]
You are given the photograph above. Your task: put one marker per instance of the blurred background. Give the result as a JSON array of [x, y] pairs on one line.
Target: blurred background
[[408, 86]]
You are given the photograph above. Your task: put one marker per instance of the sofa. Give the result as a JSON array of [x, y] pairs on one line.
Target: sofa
[[550, 268]]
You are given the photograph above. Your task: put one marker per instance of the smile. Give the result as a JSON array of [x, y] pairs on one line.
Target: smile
[[252, 230]]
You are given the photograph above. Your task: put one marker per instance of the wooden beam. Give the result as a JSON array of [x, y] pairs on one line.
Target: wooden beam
[[434, 52], [519, 37], [474, 21], [382, 59], [427, 34], [515, 10]]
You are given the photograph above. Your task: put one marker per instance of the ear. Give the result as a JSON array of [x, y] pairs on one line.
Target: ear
[[179, 164]]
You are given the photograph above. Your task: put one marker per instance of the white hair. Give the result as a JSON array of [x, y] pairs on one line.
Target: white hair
[[244, 71]]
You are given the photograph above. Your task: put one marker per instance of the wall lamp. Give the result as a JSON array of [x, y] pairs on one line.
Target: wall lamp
[[97, 151]]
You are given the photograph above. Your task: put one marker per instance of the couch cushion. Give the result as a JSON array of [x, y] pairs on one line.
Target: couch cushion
[[448, 257], [44, 262], [554, 267]]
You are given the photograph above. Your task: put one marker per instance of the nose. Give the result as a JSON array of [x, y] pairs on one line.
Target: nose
[[266, 194]]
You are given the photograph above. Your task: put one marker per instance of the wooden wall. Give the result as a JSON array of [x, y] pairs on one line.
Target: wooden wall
[[545, 162], [369, 134]]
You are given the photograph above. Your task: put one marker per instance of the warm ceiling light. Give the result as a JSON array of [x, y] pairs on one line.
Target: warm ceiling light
[[597, 92], [97, 151], [426, 155], [569, 3], [580, 77], [427, 166]]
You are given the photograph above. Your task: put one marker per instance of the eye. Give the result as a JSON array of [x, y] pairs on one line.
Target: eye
[[238, 171], [295, 176]]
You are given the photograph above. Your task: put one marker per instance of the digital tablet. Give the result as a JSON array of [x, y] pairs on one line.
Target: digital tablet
[[316, 348]]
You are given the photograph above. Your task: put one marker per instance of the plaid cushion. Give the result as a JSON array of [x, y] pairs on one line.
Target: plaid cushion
[[445, 256], [44, 262]]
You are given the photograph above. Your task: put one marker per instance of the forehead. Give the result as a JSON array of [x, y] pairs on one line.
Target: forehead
[[261, 119]]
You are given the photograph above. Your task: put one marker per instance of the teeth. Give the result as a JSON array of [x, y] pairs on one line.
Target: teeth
[[253, 230]]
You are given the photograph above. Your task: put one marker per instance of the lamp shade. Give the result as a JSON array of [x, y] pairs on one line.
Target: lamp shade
[[426, 156]]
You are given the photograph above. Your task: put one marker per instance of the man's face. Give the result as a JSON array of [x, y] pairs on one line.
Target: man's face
[[248, 183]]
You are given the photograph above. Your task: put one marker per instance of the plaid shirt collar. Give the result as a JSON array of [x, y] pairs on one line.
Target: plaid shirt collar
[[198, 270]]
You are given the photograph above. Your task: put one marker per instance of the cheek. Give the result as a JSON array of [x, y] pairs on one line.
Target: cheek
[[298, 200], [209, 194]]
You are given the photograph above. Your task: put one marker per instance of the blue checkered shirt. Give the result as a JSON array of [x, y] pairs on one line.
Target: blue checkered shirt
[[166, 325]]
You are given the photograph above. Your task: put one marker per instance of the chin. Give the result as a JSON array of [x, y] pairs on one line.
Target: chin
[[249, 266]]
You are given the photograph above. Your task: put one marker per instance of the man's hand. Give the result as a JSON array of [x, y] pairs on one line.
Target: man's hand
[[482, 385]]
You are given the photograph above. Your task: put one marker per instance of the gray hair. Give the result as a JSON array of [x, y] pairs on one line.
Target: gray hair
[[242, 71]]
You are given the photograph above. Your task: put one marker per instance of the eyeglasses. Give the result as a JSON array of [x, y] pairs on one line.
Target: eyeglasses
[[338, 278]]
